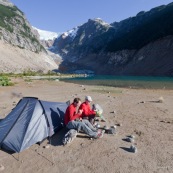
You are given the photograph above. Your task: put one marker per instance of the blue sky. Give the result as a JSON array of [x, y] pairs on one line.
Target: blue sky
[[63, 15]]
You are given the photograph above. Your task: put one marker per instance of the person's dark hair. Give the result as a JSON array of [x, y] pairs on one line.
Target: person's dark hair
[[76, 100]]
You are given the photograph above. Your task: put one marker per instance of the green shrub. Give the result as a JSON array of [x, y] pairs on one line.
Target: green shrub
[[6, 13], [29, 73], [5, 81]]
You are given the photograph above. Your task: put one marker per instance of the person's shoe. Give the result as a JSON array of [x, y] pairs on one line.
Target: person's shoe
[[97, 126], [99, 130], [100, 134]]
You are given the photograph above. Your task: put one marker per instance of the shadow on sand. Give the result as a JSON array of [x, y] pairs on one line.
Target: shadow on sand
[[56, 139], [126, 149]]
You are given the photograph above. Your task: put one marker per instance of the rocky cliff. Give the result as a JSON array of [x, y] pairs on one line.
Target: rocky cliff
[[16, 35]]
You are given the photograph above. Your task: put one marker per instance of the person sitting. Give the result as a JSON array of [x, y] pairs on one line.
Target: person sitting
[[73, 120], [87, 112]]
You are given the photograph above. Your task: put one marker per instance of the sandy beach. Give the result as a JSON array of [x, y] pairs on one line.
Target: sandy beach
[[138, 112]]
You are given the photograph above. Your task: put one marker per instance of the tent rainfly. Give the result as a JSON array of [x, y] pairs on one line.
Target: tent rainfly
[[30, 122]]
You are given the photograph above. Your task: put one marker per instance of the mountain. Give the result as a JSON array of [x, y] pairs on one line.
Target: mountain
[[20, 47], [46, 38], [139, 45], [80, 40]]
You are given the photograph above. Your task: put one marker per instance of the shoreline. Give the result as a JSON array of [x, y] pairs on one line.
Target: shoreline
[[137, 110]]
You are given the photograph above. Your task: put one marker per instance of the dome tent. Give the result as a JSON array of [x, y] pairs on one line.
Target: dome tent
[[31, 121]]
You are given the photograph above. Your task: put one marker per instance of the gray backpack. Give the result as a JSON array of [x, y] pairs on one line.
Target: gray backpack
[[69, 136]]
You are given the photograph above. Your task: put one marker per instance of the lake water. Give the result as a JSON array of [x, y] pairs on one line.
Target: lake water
[[125, 81]]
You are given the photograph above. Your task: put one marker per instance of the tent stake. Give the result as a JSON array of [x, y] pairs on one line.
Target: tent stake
[[18, 159]]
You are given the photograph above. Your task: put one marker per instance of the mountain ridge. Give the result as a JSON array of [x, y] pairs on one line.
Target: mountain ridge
[[133, 46], [116, 47]]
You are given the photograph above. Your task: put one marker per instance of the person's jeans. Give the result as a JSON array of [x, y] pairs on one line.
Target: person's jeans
[[90, 118], [83, 125]]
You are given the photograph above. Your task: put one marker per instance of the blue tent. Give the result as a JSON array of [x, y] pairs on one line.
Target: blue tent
[[31, 121]]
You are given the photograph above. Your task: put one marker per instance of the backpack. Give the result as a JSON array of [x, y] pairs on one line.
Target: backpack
[[99, 111], [69, 136]]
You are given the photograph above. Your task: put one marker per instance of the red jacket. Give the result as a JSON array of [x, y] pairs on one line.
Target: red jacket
[[70, 114], [85, 107]]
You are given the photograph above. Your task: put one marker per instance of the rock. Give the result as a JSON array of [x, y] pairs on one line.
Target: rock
[[132, 136], [130, 140], [161, 100], [119, 124], [47, 146], [106, 127], [2, 167], [133, 149], [142, 102]]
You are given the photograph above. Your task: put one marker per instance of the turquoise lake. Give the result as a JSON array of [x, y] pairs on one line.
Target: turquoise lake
[[125, 81]]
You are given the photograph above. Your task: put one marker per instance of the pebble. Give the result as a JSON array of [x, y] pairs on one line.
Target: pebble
[[132, 136], [106, 127], [130, 139], [119, 124], [2, 167], [161, 100], [47, 146], [133, 149]]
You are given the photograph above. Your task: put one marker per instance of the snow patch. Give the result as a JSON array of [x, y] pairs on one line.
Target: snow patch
[[99, 20], [71, 33], [46, 35]]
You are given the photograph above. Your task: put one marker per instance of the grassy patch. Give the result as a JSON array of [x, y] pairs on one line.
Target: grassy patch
[[5, 81], [37, 73]]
